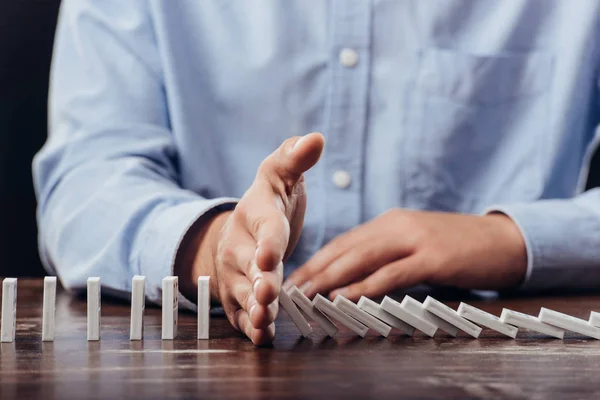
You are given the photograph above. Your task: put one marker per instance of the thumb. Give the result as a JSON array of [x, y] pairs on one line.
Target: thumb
[[294, 157]]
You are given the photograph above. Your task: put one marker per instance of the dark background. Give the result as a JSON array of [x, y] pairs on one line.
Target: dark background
[[26, 36]]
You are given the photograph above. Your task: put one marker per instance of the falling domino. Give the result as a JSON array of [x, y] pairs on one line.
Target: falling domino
[[138, 300], [595, 319], [329, 309], [452, 317], [393, 307], [203, 306], [569, 323], [291, 309], [93, 309], [530, 322], [375, 310], [170, 307], [362, 316], [311, 311], [9, 310], [413, 306], [486, 319], [49, 309]]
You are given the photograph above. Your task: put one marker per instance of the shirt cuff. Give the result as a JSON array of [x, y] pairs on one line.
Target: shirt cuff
[[562, 240], [162, 237]]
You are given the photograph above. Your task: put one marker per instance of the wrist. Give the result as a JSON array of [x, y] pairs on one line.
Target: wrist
[[511, 240], [196, 254]]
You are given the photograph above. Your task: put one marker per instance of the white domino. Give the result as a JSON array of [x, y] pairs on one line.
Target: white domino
[[170, 307], [393, 307], [413, 306], [93, 309], [311, 311], [486, 319], [9, 310], [568, 323], [362, 316], [49, 309], [530, 322], [203, 306], [138, 304], [595, 319], [375, 310], [452, 317], [291, 309], [329, 309]]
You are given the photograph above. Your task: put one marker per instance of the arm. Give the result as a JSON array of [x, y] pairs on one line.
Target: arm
[[106, 180]]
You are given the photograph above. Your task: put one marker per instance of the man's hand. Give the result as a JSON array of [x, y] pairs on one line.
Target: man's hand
[[243, 250], [400, 249]]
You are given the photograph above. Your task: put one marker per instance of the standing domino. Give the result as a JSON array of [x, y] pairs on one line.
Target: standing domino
[[360, 315], [311, 311], [486, 319], [329, 309], [93, 309], [138, 300], [203, 306], [595, 319], [393, 307], [375, 310], [530, 322], [170, 307], [49, 309], [569, 323], [452, 317], [291, 309], [9, 310], [413, 306]]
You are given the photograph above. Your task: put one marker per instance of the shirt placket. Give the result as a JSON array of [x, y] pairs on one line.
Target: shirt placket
[[349, 62]]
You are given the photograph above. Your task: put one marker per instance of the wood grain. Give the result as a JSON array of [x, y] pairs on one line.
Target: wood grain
[[229, 366]]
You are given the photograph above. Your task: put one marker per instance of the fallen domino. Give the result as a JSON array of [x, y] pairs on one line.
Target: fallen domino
[[530, 322], [569, 323], [413, 306], [49, 309], [9, 310], [393, 307], [377, 311], [311, 311], [360, 315], [93, 309], [595, 319], [452, 317], [291, 309], [486, 319], [333, 312]]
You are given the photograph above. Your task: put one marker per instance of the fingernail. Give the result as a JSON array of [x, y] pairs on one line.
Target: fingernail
[[338, 291], [251, 311], [255, 286], [297, 143], [305, 286]]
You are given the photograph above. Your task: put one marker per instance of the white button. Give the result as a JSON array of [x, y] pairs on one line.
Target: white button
[[348, 58], [341, 179]]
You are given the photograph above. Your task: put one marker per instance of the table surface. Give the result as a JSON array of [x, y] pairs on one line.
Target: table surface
[[229, 366]]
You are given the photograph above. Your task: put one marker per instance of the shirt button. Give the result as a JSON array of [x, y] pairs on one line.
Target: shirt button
[[341, 179], [348, 58]]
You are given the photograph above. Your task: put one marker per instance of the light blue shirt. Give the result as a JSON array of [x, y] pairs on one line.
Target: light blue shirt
[[162, 110]]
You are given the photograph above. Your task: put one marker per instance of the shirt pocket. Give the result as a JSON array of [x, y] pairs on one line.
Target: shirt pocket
[[475, 128]]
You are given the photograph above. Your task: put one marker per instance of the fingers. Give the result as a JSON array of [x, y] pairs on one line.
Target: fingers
[[258, 336], [403, 273]]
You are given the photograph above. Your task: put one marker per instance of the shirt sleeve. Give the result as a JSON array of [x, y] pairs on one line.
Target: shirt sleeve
[[562, 239], [109, 201]]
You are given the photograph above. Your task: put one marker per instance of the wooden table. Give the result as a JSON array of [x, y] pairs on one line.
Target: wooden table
[[229, 366]]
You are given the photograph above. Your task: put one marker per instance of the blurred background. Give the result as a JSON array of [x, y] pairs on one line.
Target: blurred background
[[26, 36]]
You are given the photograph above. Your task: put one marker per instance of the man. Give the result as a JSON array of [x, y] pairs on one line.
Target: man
[[166, 119]]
